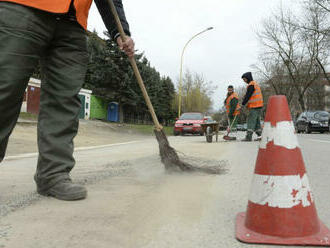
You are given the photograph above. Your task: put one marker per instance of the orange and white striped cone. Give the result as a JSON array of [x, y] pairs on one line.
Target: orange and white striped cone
[[281, 207]]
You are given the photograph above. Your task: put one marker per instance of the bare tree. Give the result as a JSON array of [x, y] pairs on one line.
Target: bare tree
[[316, 22], [295, 53], [324, 4], [273, 76], [196, 93]]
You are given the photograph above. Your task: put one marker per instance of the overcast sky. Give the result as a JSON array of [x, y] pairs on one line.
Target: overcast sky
[[222, 55]]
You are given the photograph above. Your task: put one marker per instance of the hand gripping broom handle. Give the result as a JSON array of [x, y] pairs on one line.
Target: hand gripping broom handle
[[135, 68]]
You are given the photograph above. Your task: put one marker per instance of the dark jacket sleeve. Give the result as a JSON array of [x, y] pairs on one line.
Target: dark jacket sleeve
[[109, 21], [233, 104], [249, 93]]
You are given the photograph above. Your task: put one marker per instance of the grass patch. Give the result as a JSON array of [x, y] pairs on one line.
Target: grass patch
[[28, 116], [148, 129]]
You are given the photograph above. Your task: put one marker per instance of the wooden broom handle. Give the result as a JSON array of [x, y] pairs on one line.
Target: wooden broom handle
[[135, 68]]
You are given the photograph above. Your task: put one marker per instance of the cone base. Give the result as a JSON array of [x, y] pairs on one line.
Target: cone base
[[248, 236]]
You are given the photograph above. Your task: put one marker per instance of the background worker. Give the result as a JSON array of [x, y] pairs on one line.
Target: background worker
[[232, 107], [253, 99], [54, 34]]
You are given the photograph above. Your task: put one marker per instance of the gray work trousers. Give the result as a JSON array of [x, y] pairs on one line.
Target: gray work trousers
[[28, 36]]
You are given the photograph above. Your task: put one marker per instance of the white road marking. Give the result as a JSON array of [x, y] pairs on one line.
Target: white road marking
[[282, 135], [24, 155], [322, 141], [281, 191], [103, 146], [30, 155]]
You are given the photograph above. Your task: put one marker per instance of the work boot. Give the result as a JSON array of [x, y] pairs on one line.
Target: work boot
[[65, 190], [259, 135], [246, 139]]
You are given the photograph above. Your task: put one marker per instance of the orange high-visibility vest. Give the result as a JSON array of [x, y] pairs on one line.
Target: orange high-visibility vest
[[60, 6], [229, 98], [256, 100]]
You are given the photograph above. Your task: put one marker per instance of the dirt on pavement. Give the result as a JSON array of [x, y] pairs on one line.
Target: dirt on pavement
[[131, 202]]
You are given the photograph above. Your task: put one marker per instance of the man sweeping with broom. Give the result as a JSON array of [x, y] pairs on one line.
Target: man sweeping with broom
[[232, 107], [52, 32]]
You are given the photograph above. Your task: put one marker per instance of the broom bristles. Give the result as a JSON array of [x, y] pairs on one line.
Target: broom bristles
[[171, 160]]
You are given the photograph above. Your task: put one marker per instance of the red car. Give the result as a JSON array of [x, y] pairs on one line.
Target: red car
[[189, 123]]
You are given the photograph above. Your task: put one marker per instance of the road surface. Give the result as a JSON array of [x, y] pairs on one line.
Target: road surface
[[134, 203]]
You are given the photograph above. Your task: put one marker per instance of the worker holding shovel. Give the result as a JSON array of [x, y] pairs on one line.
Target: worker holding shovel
[[54, 33], [232, 107]]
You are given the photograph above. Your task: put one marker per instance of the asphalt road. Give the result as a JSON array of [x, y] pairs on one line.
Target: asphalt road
[[133, 202], [316, 153]]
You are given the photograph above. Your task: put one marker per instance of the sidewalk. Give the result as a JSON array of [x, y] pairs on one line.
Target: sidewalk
[[91, 133]]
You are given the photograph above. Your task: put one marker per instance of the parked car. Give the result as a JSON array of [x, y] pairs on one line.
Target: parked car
[[311, 121], [189, 123]]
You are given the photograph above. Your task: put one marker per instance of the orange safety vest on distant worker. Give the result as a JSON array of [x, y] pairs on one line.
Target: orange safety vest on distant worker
[[233, 95], [60, 7], [256, 100]]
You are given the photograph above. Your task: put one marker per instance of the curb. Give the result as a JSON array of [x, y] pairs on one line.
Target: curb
[[23, 121]]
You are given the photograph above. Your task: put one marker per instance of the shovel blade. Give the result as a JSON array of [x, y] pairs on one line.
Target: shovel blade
[[226, 137]]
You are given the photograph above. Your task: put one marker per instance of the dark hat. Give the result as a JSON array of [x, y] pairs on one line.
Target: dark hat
[[248, 76]]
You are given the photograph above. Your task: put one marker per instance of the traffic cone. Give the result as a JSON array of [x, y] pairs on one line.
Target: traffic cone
[[281, 207]]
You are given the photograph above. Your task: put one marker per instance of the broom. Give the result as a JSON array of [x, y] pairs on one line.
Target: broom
[[168, 155], [227, 137]]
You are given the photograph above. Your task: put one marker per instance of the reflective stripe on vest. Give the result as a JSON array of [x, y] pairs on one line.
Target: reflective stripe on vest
[[256, 100], [234, 95], [60, 6]]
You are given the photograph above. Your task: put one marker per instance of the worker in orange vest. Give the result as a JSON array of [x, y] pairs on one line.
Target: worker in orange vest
[[54, 33], [232, 107], [253, 99]]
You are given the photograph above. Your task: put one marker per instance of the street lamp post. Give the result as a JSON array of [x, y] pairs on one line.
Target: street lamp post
[[180, 80]]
